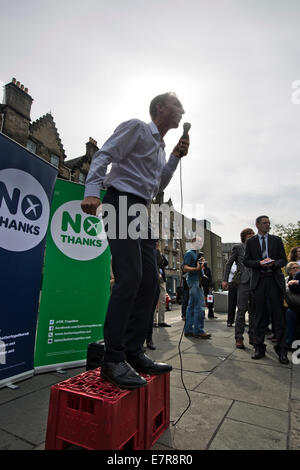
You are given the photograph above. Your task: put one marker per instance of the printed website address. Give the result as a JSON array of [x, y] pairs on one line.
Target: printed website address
[[71, 339]]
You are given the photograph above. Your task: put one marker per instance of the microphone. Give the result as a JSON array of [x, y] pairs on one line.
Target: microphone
[[185, 135], [186, 128]]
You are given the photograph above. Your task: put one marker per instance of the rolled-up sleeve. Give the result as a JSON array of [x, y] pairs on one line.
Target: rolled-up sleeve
[[168, 172]]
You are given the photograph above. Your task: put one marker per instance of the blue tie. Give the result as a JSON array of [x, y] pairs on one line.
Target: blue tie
[[263, 248]]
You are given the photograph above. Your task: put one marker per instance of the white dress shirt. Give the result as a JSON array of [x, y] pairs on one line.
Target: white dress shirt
[[266, 242], [136, 152]]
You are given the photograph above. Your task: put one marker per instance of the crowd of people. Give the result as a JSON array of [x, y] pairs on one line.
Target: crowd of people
[[256, 285], [271, 300]]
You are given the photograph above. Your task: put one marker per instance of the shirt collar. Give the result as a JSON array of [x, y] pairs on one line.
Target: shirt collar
[[260, 236], [155, 132]]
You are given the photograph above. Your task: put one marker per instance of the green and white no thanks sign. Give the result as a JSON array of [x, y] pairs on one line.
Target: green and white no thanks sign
[[75, 287]]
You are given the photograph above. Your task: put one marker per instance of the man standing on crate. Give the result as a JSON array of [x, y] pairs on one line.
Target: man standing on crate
[[138, 173]]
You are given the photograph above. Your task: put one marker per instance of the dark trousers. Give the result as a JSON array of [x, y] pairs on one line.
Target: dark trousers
[[136, 278], [291, 325], [232, 302], [150, 326], [185, 297], [209, 305], [268, 290], [244, 304]]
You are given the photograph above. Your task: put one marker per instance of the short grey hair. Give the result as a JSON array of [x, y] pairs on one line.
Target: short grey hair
[[159, 99]]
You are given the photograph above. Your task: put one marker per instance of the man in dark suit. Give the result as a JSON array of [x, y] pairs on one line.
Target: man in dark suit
[[243, 288], [265, 255]]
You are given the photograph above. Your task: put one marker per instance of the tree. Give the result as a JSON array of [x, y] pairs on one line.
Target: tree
[[290, 235]]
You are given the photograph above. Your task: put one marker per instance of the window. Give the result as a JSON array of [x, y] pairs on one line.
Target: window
[[31, 146], [174, 262], [54, 160], [174, 244], [81, 178]]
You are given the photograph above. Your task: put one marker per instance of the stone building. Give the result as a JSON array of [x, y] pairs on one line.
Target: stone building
[[212, 250], [79, 167], [174, 245], [226, 252], [41, 136]]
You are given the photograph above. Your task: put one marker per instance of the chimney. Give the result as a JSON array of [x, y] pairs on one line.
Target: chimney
[[91, 148], [16, 97], [16, 108]]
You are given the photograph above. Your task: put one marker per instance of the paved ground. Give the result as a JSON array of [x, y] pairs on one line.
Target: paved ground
[[236, 403]]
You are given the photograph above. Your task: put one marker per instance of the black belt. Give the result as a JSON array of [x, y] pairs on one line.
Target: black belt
[[123, 193], [266, 274]]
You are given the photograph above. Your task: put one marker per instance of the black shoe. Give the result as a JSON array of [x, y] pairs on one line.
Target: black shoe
[[122, 375], [150, 345], [155, 325], [212, 317], [143, 363], [282, 355], [229, 324], [164, 324], [259, 353]]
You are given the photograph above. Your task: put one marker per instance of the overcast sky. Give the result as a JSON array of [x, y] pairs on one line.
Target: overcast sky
[[232, 63]]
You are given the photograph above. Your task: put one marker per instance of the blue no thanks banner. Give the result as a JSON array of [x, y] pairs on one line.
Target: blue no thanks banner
[[26, 188]]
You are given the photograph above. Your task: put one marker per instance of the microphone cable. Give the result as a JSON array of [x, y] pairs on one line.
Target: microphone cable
[[179, 344]]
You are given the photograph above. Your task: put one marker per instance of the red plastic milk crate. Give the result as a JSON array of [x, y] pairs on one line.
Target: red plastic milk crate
[[157, 412], [89, 412], [92, 413]]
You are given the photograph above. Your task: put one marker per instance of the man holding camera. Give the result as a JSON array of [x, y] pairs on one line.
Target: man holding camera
[[195, 313], [207, 284]]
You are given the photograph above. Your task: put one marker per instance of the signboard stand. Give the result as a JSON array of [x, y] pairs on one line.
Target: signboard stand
[[76, 283], [26, 188]]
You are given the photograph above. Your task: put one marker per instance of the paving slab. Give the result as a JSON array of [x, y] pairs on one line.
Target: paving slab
[[260, 416], [165, 332], [270, 358], [220, 341], [197, 426], [10, 442], [165, 351], [27, 417], [246, 382], [294, 438], [210, 349], [35, 383], [190, 379], [241, 436], [295, 387], [194, 362]]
